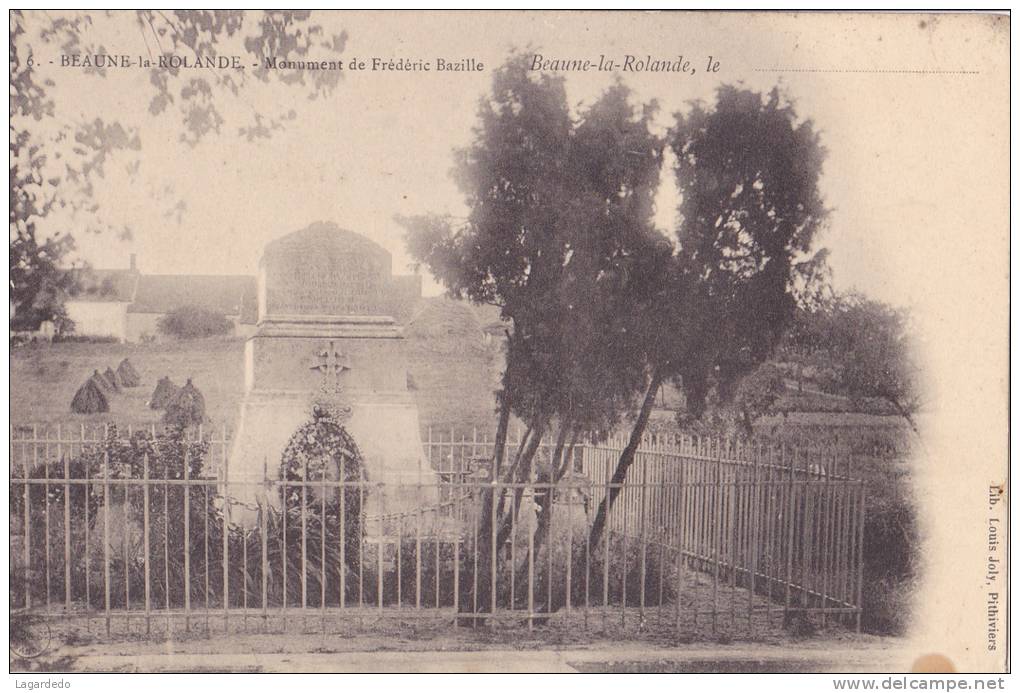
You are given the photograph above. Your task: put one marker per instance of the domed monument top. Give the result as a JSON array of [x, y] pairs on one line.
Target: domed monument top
[[324, 270]]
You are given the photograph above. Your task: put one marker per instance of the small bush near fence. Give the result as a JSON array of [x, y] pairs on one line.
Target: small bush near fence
[[87, 544]]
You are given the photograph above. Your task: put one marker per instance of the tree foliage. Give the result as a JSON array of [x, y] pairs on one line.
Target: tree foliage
[[747, 172], [870, 345], [559, 235]]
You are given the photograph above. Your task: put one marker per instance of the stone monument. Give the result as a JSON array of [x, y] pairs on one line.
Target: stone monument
[[324, 341]]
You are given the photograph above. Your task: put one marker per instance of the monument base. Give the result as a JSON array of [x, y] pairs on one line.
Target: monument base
[[384, 426]]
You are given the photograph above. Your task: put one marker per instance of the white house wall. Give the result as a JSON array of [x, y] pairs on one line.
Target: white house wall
[[98, 319]]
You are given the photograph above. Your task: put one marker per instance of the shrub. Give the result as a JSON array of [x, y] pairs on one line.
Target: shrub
[[882, 456], [191, 322], [891, 557], [104, 527], [114, 526]]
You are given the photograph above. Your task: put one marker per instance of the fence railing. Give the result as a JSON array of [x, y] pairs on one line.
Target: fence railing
[[782, 522], [703, 534]]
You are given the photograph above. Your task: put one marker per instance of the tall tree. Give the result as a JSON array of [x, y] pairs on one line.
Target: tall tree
[[559, 236], [747, 171]]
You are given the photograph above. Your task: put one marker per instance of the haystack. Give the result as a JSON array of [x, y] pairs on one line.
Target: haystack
[[127, 375], [164, 394], [100, 380], [90, 399], [187, 408], [111, 377]]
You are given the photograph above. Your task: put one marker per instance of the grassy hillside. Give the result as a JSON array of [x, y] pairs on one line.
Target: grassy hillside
[[450, 368], [44, 378]]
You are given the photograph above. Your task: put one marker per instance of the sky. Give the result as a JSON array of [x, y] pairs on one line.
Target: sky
[[381, 144]]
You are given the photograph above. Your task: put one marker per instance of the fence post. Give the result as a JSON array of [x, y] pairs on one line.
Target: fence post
[[322, 544], [106, 535], [46, 510], [166, 544], [606, 529], [827, 524], [683, 512], [641, 531], [753, 540], [67, 523], [264, 525], [379, 544], [417, 541], [187, 542], [717, 532], [88, 557], [493, 549], [808, 529], [791, 507], [304, 539], [124, 543], [846, 539], [860, 553], [226, 548]]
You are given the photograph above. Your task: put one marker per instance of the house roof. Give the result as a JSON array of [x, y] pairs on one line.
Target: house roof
[[107, 286], [226, 294]]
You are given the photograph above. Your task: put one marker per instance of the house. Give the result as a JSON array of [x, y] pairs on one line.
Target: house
[[233, 296], [127, 305], [99, 305]]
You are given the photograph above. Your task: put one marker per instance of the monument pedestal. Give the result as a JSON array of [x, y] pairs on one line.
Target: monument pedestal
[[299, 354]]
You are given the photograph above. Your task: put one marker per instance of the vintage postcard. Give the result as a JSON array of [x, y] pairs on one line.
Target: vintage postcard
[[509, 341]]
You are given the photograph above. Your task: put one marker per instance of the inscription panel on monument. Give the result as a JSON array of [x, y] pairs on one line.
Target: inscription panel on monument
[[324, 281]]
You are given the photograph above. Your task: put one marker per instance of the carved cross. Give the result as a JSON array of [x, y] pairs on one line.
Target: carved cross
[[332, 364]]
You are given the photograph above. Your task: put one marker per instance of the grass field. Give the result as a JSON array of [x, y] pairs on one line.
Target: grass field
[[44, 378], [452, 386]]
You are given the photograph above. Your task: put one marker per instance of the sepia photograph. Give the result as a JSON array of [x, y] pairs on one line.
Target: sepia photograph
[[509, 341]]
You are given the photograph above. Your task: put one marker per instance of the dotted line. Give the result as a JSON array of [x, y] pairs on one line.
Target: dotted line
[[886, 72]]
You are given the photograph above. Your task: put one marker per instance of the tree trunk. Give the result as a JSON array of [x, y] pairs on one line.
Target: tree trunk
[[625, 461], [481, 598], [523, 474], [502, 427], [508, 475], [544, 520]]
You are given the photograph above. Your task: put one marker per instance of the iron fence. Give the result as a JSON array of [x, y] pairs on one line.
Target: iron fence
[[703, 536]]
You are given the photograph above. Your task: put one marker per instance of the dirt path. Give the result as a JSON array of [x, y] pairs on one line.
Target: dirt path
[[313, 653]]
